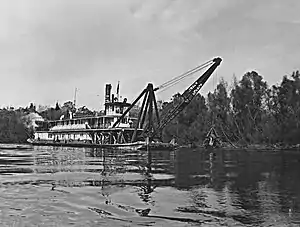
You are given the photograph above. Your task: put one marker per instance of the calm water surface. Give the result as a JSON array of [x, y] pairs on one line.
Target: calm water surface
[[47, 186]]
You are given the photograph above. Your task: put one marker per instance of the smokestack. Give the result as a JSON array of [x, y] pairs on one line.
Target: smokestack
[[107, 93], [112, 98]]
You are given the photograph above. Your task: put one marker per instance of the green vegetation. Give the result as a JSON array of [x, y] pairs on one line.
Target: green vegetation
[[250, 112]]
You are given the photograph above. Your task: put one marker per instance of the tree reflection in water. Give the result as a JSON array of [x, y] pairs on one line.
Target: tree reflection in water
[[249, 187]]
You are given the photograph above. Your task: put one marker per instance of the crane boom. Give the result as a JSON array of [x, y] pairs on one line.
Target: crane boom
[[188, 96], [149, 110]]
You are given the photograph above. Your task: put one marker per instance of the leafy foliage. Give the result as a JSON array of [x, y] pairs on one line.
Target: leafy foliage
[[250, 113], [12, 129]]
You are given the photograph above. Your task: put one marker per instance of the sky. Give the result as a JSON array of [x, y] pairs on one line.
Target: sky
[[48, 48]]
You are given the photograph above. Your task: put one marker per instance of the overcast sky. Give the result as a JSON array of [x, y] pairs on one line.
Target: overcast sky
[[49, 47]]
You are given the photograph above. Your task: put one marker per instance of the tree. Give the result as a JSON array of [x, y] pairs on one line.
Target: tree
[[219, 109], [57, 106], [12, 129], [286, 107], [32, 107], [248, 98], [190, 125]]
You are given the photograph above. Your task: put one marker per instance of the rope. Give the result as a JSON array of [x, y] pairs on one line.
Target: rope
[[177, 79]]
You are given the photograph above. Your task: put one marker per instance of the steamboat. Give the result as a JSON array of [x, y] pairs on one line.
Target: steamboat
[[115, 127]]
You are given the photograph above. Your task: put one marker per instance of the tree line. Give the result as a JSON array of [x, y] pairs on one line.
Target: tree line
[[246, 112], [17, 125], [13, 127]]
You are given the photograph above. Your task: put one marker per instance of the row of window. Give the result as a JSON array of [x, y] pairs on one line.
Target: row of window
[[90, 122], [63, 135]]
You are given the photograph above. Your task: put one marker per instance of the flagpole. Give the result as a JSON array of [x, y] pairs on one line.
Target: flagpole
[[75, 97]]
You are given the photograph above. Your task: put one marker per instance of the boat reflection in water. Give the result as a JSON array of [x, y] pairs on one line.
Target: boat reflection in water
[[88, 186]]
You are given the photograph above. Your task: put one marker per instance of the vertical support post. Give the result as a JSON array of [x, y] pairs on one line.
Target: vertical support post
[[156, 109], [150, 112], [138, 124], [146, 109]]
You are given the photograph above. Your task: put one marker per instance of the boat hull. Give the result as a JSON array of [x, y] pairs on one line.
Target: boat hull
[[127, 146], [140, 145]]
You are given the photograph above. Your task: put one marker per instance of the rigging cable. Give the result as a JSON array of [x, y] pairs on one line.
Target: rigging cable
[[177, 79]]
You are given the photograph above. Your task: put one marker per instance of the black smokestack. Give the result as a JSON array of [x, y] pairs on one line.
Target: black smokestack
[[112, 98], [107, 92]]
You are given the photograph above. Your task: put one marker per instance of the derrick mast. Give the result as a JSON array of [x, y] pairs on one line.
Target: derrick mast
[[189, 94], [154, 125]]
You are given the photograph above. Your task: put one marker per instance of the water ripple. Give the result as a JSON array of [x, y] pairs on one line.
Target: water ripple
[[86, 187]]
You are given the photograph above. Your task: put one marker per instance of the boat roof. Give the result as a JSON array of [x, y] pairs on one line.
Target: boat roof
[[90, 130], [90, 117]]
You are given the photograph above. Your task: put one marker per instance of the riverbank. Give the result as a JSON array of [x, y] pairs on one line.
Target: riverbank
[[236, 146]]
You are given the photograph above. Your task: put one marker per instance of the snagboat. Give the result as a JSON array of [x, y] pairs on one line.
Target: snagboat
[[91, 131], [115, 127]]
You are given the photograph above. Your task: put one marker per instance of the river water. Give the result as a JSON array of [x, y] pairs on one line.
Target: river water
[[46, 186]]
